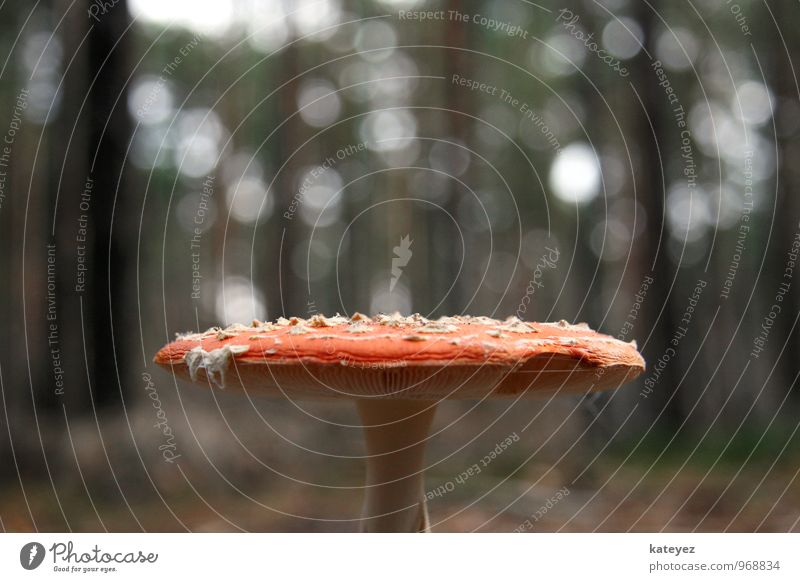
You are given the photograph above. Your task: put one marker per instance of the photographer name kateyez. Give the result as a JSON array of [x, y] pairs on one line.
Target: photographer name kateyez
[[674, 550]]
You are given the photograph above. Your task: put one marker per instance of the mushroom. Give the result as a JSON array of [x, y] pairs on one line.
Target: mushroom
[[397, 369]]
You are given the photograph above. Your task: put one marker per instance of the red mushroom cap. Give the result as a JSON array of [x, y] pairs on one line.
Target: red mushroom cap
[[393, 356]]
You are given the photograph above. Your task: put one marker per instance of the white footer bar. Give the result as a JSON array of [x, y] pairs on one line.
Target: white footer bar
[[387, 557]]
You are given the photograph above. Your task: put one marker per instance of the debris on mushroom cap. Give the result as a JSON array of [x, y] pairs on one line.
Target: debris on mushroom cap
[[519, 327], [437, 328], [215, 362], [299, 329], [319, 320], [393, 320], [390, 338], [453, 357], [564, 324], [359, 327], [478, 320], [233, 330]]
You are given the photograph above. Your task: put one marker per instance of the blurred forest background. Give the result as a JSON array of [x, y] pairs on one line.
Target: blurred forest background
[[173, 165]]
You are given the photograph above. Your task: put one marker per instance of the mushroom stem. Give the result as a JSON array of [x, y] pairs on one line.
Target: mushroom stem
[[396, 432]]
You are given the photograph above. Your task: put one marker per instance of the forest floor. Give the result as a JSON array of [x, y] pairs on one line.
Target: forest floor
[[671, 498]]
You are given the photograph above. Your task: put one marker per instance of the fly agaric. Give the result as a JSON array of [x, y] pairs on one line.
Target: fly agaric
[[397, 369]]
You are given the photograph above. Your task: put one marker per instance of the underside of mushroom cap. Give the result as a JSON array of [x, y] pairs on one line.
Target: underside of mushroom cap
[[391, 356]]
